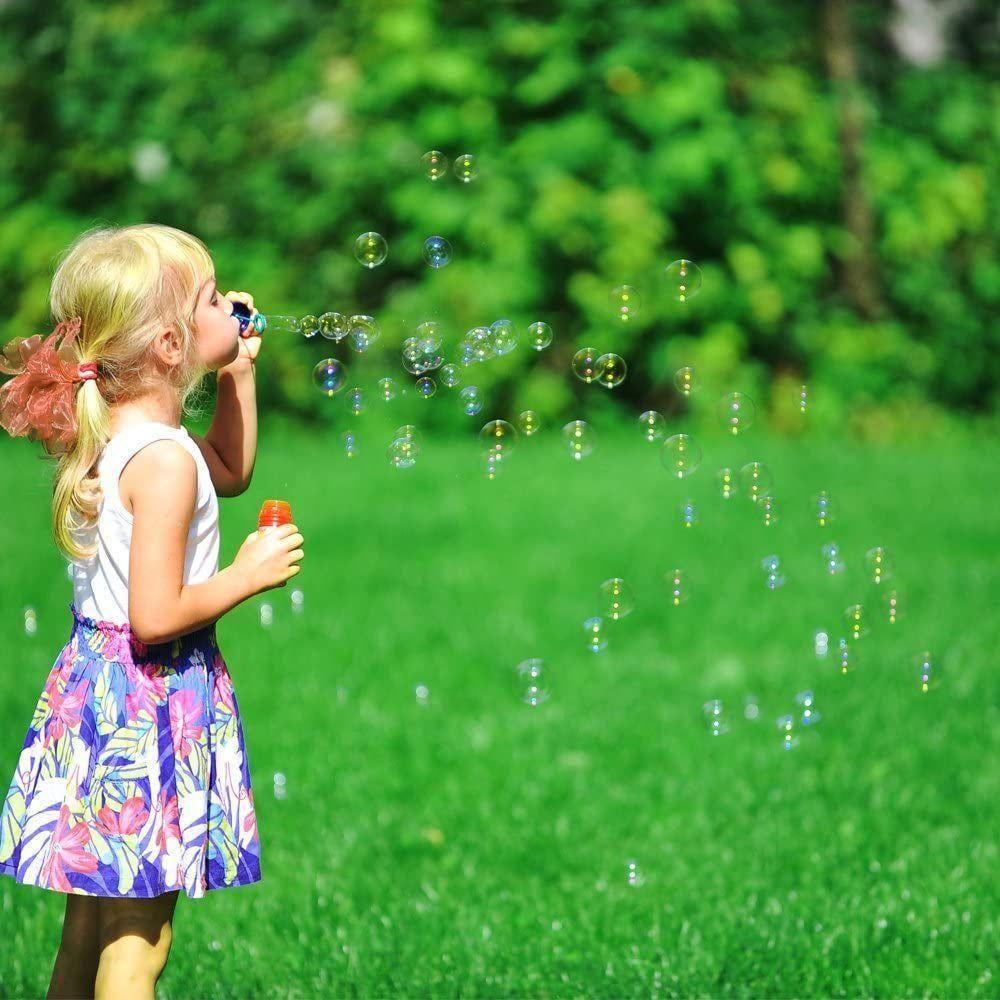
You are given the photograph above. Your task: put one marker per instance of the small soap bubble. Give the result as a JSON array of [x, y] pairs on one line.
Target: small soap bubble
[[280, 785], [437, 251], [363, 332], [402, 453], [284, 324], [768, 508], [617, 599], [426, 387], [539, 335], [715, 717], [773, 577], [878, 564], [481, 341], [626, 302], [30, 621], [435, 164], [532, 682], [737, 411], [683, 279], [755, 480], [407, 431], [653, 425], [786, 728], [832, 560], [387, 389], [491, 465], [823, 507], [356, 400], [266, 614], [594, 634], [472, 400], [370, 249], [309, 326], [807, 706], [504, 336], [333, 326], [466, 167], [821, 644], [803, 398], [856, 621], [685, 380], [611, 370], [633, 876], [677, 591], [890, 601], [422, 695], [680, 455], [928, 674], [689, 513], [298, 599], [847, 655], [450, 376], [498, 438], [727, 483], [329, 376], [584, 364], [579, 439], [751, 708], [528, 422], [350, 442]]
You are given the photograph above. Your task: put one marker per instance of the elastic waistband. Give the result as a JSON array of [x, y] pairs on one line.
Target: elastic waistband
[[117, 641]]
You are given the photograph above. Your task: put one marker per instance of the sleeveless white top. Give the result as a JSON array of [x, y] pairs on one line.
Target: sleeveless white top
[[100, 584]]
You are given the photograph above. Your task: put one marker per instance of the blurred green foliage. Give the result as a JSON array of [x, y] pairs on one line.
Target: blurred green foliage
[[612, 138]]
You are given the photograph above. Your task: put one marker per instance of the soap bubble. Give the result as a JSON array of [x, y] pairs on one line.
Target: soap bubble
[[831, 558], [532, 682], [529, 422], [451, 376], [617, 598], [422, 353], [626, 302], [685, 380], [773, 577], [309, 326], [407, 431], [498, 438], [472, 400], [878, 563], [280, 785], [676, 586], [579, 438], [856, 621], [823, 507], [357, 400], [284, 324], [30, 621], [504, 336], [806, 702], [653, 425], [426, 387], [680, 455], [803, 398], [481, 341], [422, 694], [328, 376], [466, 167], [736, 411], [786, 727], [927, 672], [821, 644], [539, 335], [715, 718], [585, 364], [611, 370], [755, 480], [370, 249], [593, 630], [847, 656], [751, 708], [387, 388], [633, 876], [435, 164], [890, 600], [298, 599], [402, 453], [364, 331], [334, 326], [492, 466], [350, 442], [768, 508], [727, 483], [437, 251], [266, 615], [683, 279], [689, 513]]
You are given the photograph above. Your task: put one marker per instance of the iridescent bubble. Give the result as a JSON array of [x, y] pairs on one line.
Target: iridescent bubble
[[482, 343], [585, 364], [30, 621], [492, 465], [528, 422], [821, 644], [280, 785], [683, 279], [309, 326], [451, 376], [676, 586], [823, 507], [633, 876], [298, 599], [807, 706], [266, 615], [579, 438], [685, 380], [832, 559], [653, 425], [532, 682], [328, 376], [435, 164], [356, 400], [437, 251], [803, 398], [773, 577], [498, 438], [878, 564], [755, 480], [539, 335], [626, 302], [466, 352], [466, 167], [617, 599], [504, 336], [402, 453], [426, 387], [370, 249], [689, 513], [847, 655], [408, 431], [334, 326], [284, 324], [350, 442], [387, 388], [594, 634], [715, 717], [768, 508], [736, 410], [727, 483], [786, 727], [410, 353], [611, 370], [472, 400], [680, 455], [890, 600], [856, 621], [364, 331], [928, 673], [422, 694]]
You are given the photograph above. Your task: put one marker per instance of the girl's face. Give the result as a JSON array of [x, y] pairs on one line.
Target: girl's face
[[216, 329]]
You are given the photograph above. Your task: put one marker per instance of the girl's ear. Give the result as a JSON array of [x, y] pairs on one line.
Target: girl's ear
[[167, 347]]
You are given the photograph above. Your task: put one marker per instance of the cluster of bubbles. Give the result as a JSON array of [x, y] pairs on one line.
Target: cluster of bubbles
[[805, 716], [465, 166]]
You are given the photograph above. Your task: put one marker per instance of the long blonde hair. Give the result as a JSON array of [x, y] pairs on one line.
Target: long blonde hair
[[125, 284]]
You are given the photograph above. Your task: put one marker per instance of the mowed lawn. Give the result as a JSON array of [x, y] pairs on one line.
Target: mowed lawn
[[474, 846]]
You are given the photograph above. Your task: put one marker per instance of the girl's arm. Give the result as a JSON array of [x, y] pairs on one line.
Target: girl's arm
[[230, 446]]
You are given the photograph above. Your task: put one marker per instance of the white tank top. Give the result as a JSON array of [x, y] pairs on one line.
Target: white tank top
[[100, 584]]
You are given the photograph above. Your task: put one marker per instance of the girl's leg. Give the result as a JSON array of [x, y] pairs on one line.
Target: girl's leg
[[135, 936], [76, 961]]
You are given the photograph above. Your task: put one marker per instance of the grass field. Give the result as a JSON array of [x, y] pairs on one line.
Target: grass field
[[474, 846]]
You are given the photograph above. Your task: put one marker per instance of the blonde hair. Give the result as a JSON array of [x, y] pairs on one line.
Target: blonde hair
[[125, 284]]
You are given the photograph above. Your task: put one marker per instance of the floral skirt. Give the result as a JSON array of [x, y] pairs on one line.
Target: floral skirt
[[134, 779]]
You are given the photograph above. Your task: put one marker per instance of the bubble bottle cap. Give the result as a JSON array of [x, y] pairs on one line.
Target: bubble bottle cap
[[274, 513]]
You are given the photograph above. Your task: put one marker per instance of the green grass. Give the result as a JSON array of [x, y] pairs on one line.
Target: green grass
[[477, 847]]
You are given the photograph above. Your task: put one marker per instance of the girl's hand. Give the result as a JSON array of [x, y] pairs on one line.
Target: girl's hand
[[249, 341], [267, 559]]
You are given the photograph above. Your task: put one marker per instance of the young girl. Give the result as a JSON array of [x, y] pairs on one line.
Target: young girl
[[133, 782]]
